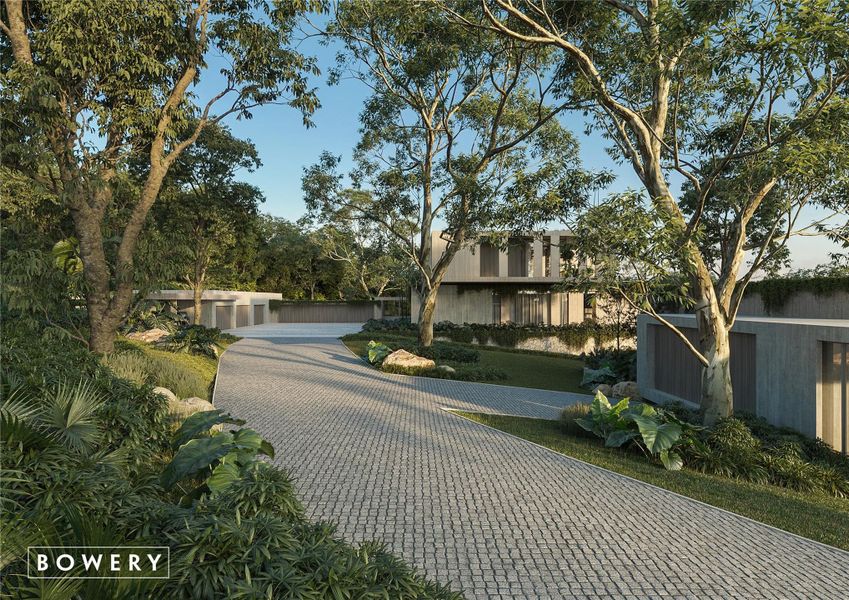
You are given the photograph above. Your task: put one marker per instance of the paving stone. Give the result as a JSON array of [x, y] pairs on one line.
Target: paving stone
[[487, 512]]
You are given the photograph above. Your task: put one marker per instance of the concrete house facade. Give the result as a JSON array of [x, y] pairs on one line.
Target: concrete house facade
[[490, 285], [223, 309]]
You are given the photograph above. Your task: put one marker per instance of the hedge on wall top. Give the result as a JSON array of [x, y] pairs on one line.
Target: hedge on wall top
[[776, 292]]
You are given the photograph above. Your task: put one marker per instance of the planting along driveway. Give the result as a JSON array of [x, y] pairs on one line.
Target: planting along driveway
[[488, 512]]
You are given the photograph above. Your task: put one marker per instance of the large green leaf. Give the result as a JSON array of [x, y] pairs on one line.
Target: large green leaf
[[671, 460], [195, 455], [618, 437], [657, 436], [200, 422], [224, 475]]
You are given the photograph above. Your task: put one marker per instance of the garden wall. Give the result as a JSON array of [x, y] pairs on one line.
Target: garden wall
[[800, 305], [554, 344]]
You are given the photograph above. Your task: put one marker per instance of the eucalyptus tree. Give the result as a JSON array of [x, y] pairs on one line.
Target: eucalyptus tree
[[740, 105], [90, 84], [458, 130]]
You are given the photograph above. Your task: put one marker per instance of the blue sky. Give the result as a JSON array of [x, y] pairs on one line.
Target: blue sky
[[285, 146]]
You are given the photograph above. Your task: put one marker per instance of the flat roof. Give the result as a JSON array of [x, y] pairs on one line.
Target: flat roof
[[777, 320], [227, 295]]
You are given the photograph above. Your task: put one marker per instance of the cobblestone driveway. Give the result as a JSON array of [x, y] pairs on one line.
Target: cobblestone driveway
[[493, 514]]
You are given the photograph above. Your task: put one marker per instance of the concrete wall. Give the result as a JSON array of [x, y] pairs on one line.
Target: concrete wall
[[802, 305], [788, 365]]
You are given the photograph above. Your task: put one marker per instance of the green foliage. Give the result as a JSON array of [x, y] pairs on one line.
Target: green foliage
[[461, 372], [153, 315], [510, 335], [775, 292], [146, 368], [593, 377], [623, 363], [195, 339], [655, 431], [776, 456], [377, 352], [440, 351], [402, 324], [82, 454], [569, 416]]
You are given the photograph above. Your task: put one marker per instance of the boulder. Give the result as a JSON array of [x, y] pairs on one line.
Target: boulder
[[181, 409], [604, 389], [407, 360], [626, 389], [171, 396], [447, 369], [151, 336]]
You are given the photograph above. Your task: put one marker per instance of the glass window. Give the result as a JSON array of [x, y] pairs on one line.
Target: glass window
[[489, 260]]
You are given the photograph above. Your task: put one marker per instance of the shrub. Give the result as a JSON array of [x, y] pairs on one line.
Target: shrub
[[195, 339], [402, 324], [570, 414], [461, 373], [154, 315], [146, 368], [441, 351], [623, 363], [378, 352], [510, 335]]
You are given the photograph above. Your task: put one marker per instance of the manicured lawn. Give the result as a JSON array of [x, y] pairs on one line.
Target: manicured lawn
[[818, 517], [523, 369]]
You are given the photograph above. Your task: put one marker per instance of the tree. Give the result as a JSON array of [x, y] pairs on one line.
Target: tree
[[205, 211], [372, 259], [295, 264], [78, 104], [743, 101], [458, 128]]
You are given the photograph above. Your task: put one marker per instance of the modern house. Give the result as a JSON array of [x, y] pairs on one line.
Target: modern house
[[222, 309], [488, 284], [793, 372]]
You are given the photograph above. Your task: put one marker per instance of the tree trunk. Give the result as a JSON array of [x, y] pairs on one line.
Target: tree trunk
[[717, 397], [426, 311], [197, 296]]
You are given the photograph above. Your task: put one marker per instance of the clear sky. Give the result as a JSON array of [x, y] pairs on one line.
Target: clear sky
[[286, 146]]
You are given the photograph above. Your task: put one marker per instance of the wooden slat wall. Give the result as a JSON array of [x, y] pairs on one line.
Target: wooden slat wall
[[243, 315], [323, 312], [677, 372]]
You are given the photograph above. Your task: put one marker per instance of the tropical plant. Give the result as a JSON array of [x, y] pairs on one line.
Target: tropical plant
[[623, 363], [654, 431], [219, 459], [195, 339], [377, 352], [153, 315]]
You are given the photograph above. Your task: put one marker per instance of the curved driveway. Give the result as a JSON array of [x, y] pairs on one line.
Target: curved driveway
[[487, 512]]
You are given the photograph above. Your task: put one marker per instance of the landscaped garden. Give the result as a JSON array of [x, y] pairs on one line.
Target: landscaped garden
[[470, 362], [95, 452], [742, 464]]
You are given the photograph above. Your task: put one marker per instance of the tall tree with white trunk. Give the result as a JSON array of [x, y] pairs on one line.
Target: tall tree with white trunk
[[459, 128], [734, 117]]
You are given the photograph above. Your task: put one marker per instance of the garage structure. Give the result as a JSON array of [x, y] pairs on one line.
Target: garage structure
[[220, 308]]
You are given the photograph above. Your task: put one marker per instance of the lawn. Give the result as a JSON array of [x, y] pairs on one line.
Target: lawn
[[524, 369], [815, 516]]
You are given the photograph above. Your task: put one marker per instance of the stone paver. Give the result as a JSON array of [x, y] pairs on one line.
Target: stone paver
[[485, 511]]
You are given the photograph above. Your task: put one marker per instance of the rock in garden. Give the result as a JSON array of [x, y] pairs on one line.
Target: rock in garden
[[626, 389], [402, 358], [604, 389], [165, 392], [181, 409], [151, 336], [447, 369]]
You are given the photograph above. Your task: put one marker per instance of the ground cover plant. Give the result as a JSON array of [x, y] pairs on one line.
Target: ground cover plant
[[90, 458], [523, 368], [826, 517]]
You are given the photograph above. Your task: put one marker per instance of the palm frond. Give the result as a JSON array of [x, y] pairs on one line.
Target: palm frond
[[69, 415]]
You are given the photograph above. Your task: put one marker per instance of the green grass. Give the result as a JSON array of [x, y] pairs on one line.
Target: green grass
[[533, 370], [815, 516], [187, 375]]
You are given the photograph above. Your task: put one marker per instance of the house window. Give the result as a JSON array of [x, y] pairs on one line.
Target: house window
[[531, 308], [496, 307], [517, 258], [835, 395], [489, 260]]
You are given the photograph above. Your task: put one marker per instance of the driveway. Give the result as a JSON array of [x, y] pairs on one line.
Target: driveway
[[487, 512]]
